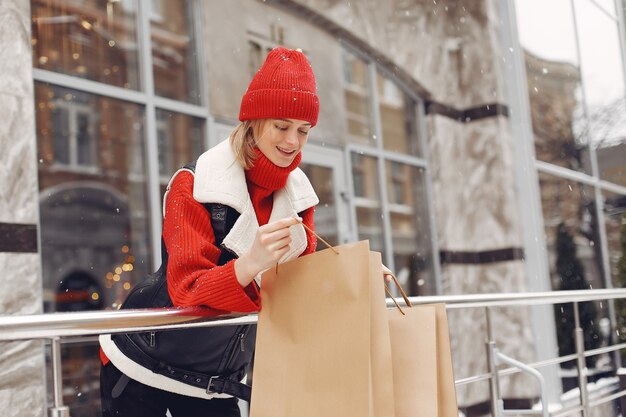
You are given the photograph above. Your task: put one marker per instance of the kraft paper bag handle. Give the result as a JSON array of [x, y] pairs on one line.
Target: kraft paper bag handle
[[320, 238], [388, 291], [394, 300], [317, 236], [395, 280]]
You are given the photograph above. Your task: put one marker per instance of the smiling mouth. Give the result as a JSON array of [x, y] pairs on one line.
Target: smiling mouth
[[286, 151]]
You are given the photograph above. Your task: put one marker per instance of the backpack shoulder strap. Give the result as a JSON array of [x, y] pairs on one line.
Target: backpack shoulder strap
[[190, 167], [219, 212]]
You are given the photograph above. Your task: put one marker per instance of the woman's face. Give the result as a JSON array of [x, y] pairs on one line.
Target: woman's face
[[281, 140]]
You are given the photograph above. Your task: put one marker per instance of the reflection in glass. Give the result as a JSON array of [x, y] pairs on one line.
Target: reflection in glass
[[398, 118], [554, 82], [557, 114], [569, 206], [93, 40], [536, 18], [94, 217], [357, 96], [611, 155], [61, 135], [174, 59], [573, 242], [367, 200], [326, 211], [410, 228], [73, 133], [601, 62], [615, 225], [603, 81], [180, 141]]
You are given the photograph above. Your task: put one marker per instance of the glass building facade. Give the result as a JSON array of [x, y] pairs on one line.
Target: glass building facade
[[127, 91], [576, 96]]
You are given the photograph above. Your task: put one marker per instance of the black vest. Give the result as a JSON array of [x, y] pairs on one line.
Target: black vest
[[213, 358]]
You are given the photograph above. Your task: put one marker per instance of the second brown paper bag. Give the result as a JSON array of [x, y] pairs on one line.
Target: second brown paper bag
[[422, 365]]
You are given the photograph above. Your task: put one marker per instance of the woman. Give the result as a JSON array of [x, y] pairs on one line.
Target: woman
[[236, 213]]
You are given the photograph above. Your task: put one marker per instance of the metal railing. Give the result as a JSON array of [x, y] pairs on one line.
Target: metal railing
[[54, 326]]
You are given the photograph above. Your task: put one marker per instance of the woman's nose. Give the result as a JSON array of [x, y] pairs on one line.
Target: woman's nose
[[292, 137]]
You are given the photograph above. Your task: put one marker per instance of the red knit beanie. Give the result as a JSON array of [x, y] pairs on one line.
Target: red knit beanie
[[283, 88]]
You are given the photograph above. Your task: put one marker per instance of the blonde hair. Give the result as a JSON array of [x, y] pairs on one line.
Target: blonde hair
[[243, 141]]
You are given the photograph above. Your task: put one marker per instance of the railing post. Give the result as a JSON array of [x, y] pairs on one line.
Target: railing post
[[494, 387], [580, 362], [501, 357], [58, 410]]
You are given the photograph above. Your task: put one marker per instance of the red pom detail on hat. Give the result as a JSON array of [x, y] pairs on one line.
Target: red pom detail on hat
[[283, 88]]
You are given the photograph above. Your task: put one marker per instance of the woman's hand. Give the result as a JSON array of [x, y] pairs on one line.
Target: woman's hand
[[270, 244]]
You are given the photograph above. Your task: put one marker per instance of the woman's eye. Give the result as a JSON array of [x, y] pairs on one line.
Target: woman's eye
[[281, 127], [304, 132]]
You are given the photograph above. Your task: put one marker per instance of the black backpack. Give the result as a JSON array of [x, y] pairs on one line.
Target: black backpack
[[214, 358]]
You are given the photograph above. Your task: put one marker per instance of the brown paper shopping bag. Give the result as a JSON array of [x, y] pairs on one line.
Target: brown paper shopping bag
[[315, 338], [382, 394], [422, 361]]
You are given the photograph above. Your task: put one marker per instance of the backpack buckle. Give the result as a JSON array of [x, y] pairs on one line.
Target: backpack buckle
[[211, 388]]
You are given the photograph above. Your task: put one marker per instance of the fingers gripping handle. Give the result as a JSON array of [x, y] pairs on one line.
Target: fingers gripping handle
[[317, 236], [388, 291]]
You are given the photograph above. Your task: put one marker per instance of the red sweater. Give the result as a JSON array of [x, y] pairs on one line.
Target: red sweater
[[193, 276]]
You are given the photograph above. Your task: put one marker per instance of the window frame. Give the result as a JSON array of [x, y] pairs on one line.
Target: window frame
[[73, 110], [382, 155], [147, 98]]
